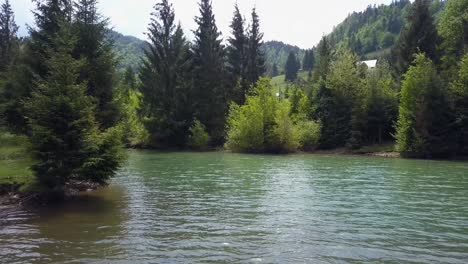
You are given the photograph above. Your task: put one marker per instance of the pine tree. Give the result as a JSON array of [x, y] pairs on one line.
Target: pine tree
[[65, 139], [236, 54], [292, 68], [274, 71], [211, 94], [49, 16], [95, 47], [31, 65], [255, 56], [420, 35], [425, 122], [322, 66], [311, 60], [166, 81], [459, 94], [306, 60], [453, 29], [8, 38]]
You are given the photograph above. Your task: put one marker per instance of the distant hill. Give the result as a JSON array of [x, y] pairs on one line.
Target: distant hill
[[372, 32], [128, 49], [276, 52]]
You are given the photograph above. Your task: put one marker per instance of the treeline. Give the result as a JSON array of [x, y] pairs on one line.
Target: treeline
[[61, 88], [375, 30], [415, 97]]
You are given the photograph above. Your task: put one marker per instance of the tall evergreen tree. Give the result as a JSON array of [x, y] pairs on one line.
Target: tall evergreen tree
[[453, 29], [165, 79], [65, 139], [49, 16], [425, 122], [274, 71], [255, 56], [459, 94], [420, 35], [211, 93], [322, 66], [305, 60], [236, 54], [291, 68], [8, 38], [93, 45]]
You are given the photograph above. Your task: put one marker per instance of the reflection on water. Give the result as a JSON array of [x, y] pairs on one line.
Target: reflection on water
[[224, 208]]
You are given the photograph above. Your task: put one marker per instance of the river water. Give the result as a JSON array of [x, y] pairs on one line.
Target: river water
[[233, 208]]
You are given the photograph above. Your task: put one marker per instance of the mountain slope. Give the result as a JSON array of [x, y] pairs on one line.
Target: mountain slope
[[128, 49], [372, 32]]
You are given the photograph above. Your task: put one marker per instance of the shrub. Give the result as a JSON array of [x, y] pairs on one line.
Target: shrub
[[309, 134], [199, 139]]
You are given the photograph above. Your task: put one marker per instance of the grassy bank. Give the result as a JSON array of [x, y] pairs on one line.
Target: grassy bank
[[15, 163]]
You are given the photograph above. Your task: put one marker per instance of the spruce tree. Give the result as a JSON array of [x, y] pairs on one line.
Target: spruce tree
[[459, 94], [236, 54], [8, 38], [425, 122], [65, 139], [274, 71], [49, 16], [305, 61], [255, 56], [420, 35], [211, 93], [453, 29], [95, 48], [31, 65], [166, 81], [322, 66], [292, 68]]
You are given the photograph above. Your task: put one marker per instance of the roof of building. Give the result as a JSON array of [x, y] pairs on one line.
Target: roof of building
[[369, 63]]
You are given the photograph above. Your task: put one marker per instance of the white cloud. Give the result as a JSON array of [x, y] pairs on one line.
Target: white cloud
[[299, 22]]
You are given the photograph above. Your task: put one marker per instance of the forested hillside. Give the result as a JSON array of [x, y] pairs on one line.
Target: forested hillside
[[129, 50], [372, 32], [277, 52]]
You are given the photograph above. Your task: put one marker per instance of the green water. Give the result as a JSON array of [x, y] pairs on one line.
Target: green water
[[230, 208]]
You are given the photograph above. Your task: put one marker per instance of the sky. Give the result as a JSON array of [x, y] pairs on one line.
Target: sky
[[297, 22]]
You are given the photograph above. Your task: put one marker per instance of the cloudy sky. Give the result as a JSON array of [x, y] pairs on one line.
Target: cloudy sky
[[298, 22]]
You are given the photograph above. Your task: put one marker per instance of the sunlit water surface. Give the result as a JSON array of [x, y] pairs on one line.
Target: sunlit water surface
[[232, 208]]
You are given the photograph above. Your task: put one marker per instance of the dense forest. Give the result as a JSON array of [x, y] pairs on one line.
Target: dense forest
[[62, 87]]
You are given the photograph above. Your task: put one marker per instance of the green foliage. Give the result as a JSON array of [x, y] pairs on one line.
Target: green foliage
[[265, 124], [8, 38], [292, 68], [199, 139], [129, 101], [286, 137], [309, 134], [380, 104], [255, 57], [166, 82], [91, 30], [419, 35], [66, 141], [459, 94], [128, 50], [453, 27], [210, 90], [424, 124], [277, 53], [250, 126], [374, 29]]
